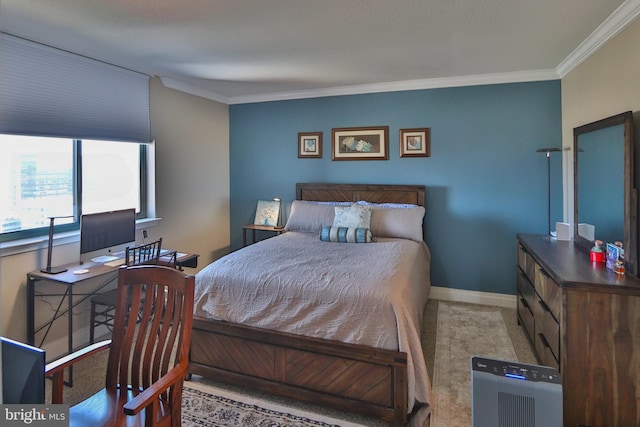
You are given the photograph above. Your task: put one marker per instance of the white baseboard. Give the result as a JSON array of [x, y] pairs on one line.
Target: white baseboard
[[474, 297]]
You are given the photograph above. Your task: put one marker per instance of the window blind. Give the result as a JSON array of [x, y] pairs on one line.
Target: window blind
[[50, 92]]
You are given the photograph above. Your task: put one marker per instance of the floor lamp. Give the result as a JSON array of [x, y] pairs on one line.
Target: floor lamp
[[548, 151]]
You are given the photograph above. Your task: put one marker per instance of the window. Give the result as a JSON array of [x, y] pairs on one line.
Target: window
[[43, 177], [110, 176]]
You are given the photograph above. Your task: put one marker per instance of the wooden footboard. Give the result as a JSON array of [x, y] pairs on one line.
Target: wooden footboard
[[347, 377]]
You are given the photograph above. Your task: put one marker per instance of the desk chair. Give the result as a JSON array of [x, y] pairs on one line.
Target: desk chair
[[144, 377], [103, 305]]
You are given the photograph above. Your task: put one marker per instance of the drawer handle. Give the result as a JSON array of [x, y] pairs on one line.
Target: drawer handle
[[546, 345], [544, 341], [544, 306], [544, 273]]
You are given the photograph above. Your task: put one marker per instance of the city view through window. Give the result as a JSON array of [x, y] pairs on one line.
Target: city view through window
[[37, 179]]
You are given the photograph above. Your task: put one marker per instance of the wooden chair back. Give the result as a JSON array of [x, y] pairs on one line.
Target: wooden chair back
[[148, 253], [156, 336]]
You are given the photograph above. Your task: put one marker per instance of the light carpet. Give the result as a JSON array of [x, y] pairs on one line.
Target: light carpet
[[459, 327], [207, 406]]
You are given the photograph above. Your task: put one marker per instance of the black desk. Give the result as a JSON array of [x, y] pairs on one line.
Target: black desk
[[105, 273], [102, 273], [182, 260]]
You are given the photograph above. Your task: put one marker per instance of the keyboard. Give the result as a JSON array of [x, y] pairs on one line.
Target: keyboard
[[116, 262], [104, 259]]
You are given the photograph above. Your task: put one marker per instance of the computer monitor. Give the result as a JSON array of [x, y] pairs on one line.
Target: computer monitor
[[22, 373], [107, 234]]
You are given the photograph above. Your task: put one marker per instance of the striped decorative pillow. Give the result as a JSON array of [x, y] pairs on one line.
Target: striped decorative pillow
[[345, 235]]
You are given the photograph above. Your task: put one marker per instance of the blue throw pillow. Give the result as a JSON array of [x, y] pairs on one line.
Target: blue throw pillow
[[345, 234]]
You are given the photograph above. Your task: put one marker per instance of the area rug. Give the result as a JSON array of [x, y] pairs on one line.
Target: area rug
[[463, 331], [207, 406]]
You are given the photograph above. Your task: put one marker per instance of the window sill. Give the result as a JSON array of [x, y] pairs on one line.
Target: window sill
[[15, 247]]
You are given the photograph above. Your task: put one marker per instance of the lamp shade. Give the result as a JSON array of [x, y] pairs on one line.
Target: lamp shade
[[548, 150]]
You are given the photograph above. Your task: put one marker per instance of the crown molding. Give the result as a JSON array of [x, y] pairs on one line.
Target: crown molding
[[193, 90], [474, 80], [624, 15]]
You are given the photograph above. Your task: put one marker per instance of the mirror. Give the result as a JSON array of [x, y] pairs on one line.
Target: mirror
[[605, 203]]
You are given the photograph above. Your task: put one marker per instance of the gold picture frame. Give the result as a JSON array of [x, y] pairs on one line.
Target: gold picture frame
[[415, 142], [361, 143]]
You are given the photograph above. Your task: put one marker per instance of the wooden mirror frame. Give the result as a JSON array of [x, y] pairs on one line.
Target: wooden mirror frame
[[630, 190]]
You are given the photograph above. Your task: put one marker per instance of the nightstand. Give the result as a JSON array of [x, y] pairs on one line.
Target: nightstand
[[254, 227]]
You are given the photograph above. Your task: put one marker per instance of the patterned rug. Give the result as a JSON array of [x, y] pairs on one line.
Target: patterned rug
[[206, 406], [464, 331]]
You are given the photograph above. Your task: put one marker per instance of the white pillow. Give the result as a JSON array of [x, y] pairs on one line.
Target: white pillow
[[353, 216], [404, 223], [310, 216]]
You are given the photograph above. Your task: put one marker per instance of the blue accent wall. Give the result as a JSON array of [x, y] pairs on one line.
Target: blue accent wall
[[484, 181]]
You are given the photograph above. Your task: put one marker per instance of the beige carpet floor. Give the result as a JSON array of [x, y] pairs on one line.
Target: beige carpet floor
[[89, 374], [458, 330]]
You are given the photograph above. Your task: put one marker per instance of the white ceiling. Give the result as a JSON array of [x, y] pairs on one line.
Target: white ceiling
[[238, 51]]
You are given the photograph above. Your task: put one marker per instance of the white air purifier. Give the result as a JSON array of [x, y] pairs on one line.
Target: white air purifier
[[511, 394]]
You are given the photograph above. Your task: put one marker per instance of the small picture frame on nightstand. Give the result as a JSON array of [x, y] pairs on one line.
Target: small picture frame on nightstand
[[267, 212]]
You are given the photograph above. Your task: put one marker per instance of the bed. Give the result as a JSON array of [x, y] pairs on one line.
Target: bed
[[334, 335]]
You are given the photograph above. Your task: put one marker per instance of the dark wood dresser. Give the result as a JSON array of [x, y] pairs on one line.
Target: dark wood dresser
[[584, 320]]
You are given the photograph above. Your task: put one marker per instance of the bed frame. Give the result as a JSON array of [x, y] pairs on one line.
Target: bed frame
[[349, 377]]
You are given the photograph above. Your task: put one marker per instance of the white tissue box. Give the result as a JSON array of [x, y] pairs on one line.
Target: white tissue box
[[563, 231]]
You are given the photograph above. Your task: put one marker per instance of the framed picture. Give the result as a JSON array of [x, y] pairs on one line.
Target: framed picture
[[415, 143], [310, 145], [366, 143], [267, 212]]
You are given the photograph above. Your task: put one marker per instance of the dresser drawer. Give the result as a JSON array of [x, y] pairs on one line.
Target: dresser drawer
[[526, 316], [549, 291], [526, 263], [544, 352], [526, 289], [548, 326]]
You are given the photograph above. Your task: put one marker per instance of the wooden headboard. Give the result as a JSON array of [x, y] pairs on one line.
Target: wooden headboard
[[374, 193]]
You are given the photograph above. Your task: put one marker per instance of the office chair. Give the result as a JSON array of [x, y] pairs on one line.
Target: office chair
[[144, 377], [103, 305]]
